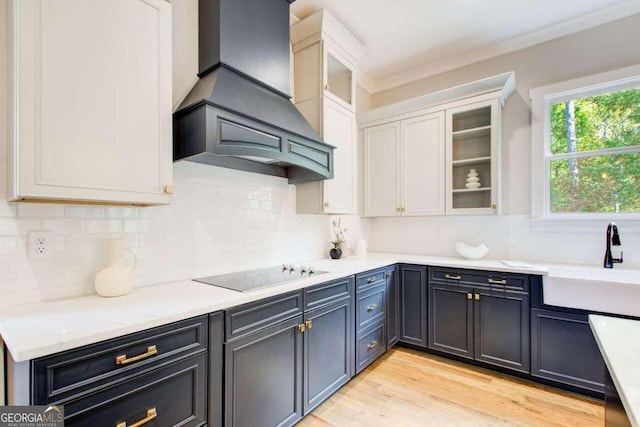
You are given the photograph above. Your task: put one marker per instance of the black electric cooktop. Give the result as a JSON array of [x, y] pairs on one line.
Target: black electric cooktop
[[251, 280]]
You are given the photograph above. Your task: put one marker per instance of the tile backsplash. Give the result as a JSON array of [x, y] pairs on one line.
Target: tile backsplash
[[220, 220]]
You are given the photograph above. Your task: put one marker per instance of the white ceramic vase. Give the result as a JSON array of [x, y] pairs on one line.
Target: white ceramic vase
[[473, 181], [116, 278]]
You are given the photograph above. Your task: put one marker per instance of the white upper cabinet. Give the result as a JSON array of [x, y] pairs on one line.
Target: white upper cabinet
[[444, 149], [324, 92], [404, 167], [91, 100], [381, 170], [422, 166]]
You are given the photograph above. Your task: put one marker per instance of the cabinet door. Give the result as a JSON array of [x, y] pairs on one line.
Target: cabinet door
[[339, 83], [422, 165], [381, 177], [563, 349], [502, 328], [263, 377], [329, 352], [340, 130], [451, 319], [94, 123], [393, 318], [413, 305]]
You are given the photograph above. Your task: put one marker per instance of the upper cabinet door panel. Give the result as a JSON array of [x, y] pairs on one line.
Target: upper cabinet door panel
[[340, 131], [423, 157], [100, 110], [381, 146]]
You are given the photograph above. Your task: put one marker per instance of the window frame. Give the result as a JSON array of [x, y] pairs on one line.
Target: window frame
[[542, 98]]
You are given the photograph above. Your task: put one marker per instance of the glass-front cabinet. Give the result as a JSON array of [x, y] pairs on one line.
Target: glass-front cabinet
[[473, 158], [339, 82]]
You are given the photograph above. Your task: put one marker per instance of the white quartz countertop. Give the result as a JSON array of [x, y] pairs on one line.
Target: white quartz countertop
[[36, 330], [619, 344]]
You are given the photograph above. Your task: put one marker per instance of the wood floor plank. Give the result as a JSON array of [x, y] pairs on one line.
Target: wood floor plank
[[411, 388]]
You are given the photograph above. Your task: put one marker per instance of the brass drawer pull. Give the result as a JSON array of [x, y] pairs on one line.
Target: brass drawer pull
[[372, 307], [477, 297], [302, 327], [469, 296], [122, 359], [309, 324], [498, 282], [452, 277], [372, 345], [151, 414]]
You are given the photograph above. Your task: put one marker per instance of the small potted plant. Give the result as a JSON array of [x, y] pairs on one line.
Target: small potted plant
[[338, 231]]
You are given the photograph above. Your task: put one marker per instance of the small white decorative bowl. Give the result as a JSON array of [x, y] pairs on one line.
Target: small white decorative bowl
[[471, 252]]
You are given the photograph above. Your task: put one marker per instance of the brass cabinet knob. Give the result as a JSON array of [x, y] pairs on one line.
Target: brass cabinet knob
[[168, 189]]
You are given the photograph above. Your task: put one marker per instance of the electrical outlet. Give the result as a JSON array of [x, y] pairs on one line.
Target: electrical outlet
[[40, 244]]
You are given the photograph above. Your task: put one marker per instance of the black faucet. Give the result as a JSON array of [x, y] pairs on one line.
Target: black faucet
[[613, 238]]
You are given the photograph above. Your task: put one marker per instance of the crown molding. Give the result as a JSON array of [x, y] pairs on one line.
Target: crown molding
[[583, 22]]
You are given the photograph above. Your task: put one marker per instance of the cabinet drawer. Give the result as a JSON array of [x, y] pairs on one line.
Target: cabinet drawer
[[176, 394], [327, 293], [494, 280], [260, 314], [65, 374], [370, 278], [371, 307], [370, 345]]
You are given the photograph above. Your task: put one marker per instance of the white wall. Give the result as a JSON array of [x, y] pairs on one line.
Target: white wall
[[592, 51], [220, 220]]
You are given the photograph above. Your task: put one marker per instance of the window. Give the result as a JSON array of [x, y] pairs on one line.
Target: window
[[586, 147]]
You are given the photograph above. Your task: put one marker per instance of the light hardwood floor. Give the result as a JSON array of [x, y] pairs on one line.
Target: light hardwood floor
[[410, 388]]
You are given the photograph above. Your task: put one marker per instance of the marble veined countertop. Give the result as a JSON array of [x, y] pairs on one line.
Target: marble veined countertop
[[620, 347], [36, 330]]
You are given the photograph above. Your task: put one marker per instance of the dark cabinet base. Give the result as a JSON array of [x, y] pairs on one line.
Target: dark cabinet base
[[175, 393], [564, 350]]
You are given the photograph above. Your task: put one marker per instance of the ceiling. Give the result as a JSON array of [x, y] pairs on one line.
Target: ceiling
[[410, 39]]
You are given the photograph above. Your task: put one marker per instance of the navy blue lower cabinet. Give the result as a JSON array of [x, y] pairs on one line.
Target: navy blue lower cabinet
[[501, 323], [263, 376], [563, 349], [413, 305], [451, 319], [393, 309], [172, 395], [370, 345], [328, 351]]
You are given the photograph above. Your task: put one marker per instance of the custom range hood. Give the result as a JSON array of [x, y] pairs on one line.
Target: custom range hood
[[238, 115]]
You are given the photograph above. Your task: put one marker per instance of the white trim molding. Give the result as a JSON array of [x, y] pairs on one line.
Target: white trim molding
[[583, 22], [541, 100]]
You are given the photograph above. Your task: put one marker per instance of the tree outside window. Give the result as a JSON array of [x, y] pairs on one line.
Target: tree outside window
[[594, 153]]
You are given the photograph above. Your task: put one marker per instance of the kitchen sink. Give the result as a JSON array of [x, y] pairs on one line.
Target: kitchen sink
[[594, 289]]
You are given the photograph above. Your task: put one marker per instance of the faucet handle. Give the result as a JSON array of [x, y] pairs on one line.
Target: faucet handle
[[618, 260]]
